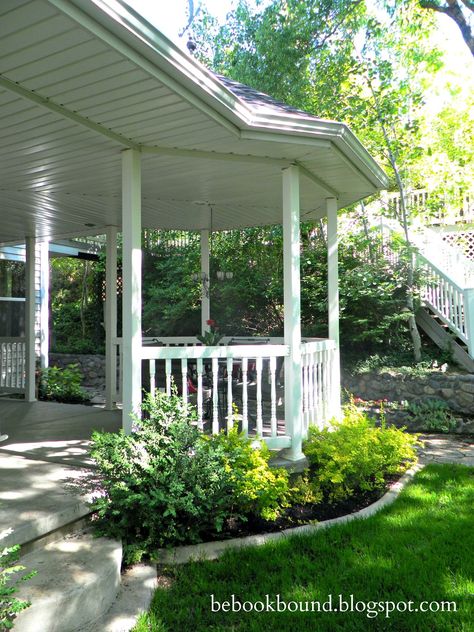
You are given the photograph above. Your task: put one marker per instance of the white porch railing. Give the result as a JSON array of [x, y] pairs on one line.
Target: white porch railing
[[452, 211], [246, 376], [318, 385], [12, 365], [449, 289]]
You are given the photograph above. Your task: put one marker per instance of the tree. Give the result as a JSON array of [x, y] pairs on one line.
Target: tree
[[461, 11]]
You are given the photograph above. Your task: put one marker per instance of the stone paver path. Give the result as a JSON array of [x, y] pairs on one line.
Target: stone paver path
[[439, 448]]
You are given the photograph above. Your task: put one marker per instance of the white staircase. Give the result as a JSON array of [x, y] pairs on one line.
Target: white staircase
[[448, 294]]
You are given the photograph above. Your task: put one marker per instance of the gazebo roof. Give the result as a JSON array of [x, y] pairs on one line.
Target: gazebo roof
[[81, 80]]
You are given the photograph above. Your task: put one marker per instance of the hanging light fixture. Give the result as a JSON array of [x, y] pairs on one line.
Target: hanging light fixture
[[221, 275]]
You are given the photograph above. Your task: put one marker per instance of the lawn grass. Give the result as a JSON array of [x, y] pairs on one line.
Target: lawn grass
[[421, 548]]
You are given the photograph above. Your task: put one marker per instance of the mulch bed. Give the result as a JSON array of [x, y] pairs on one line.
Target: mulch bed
[[298, 515]]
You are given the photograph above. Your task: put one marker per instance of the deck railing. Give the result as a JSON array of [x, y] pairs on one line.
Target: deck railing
[[241, 384], [12, 365]]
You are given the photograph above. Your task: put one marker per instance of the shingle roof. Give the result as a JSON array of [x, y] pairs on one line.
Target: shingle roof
[[257, 98]]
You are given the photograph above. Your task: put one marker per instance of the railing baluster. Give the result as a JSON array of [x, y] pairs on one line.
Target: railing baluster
[[273, 416], [230, 412], [168, 374], [152, 365], [215, 396], [199, 394], [1, 364], [245, 410], [184, 379], [258, 366]]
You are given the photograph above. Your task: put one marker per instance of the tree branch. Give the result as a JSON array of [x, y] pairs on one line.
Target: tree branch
[[454, 11]]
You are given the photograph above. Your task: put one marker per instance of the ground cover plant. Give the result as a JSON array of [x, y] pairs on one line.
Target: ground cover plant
[[418, 549]]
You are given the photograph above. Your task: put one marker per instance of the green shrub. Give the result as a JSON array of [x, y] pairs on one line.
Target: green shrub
[[10, 606], [167, 484], [433, 415], [255, 487], [62, 385], [356, 455]]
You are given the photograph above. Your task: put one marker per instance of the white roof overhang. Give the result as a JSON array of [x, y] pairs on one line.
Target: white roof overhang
[[81, 80]]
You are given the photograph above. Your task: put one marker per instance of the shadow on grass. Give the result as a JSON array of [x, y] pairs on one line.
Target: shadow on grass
[[420, 549]]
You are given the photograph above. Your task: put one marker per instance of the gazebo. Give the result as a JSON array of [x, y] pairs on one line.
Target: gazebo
[[106, 127]]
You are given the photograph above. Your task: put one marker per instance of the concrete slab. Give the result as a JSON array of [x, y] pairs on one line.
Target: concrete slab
[[38, 497], [52, 431], [77, 580]]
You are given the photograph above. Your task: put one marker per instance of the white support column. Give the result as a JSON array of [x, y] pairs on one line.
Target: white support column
[[292, 306], [132, 286], [333, 304], [205, 270], [44, 304], [110, 317], [30, 307], [468, 297]]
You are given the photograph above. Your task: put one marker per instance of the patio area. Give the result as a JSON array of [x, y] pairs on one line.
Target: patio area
[[48, 431]]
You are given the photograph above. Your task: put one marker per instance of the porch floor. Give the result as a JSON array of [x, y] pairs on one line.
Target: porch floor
[[54, 432]]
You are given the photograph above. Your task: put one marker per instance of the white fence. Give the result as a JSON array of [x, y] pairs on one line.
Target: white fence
[[239, 382], [12, 365]]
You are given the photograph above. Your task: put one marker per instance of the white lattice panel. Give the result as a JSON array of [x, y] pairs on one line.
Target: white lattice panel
[[462, 240]]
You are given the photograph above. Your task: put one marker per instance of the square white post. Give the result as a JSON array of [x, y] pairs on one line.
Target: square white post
[[44, 304], [30, 306], [110, 317], [468, 297], [292, 306], [205, 270], [132, 286], [333, 305]]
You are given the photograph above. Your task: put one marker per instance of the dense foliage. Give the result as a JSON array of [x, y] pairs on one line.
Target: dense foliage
[[355, 455], [167, 483], [62, 385]]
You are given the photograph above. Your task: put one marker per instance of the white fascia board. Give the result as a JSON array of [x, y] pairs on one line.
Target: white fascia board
[[120, 26]]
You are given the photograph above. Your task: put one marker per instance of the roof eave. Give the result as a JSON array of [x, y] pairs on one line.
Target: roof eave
[[132, 33]]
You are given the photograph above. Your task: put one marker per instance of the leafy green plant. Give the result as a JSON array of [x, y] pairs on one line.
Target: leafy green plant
[[10, 605], [212, 336], [167, 484], [432, 415], [62, 385], [356, 455], [255, 487]]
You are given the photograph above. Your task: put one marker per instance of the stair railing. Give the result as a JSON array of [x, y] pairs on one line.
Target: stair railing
[[449, 288]]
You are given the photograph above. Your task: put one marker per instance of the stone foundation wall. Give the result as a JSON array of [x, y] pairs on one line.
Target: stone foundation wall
[[457, 390], [92, 366]]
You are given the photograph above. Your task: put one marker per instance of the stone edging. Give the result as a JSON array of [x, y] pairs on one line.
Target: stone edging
[[214, 550]]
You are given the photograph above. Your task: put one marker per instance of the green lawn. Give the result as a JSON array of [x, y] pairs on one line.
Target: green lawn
[[419, 549]]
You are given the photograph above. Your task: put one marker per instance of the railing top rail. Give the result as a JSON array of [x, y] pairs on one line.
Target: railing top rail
[[12, 339], [441, 273], [318, 345], [452, 264], [208, 352]]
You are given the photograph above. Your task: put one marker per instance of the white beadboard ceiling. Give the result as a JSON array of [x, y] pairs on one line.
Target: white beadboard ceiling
[[82, 80]]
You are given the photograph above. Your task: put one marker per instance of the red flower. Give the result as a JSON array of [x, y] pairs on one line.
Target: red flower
[[210, 322]]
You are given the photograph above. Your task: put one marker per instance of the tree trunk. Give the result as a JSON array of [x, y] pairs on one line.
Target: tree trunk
[[403, 219]]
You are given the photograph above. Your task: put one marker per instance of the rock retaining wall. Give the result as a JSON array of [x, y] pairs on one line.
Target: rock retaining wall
[[457, 390], [92, 366]]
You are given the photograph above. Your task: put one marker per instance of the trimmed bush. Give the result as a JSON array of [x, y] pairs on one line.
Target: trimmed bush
[[356, 455], [167, 484]]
